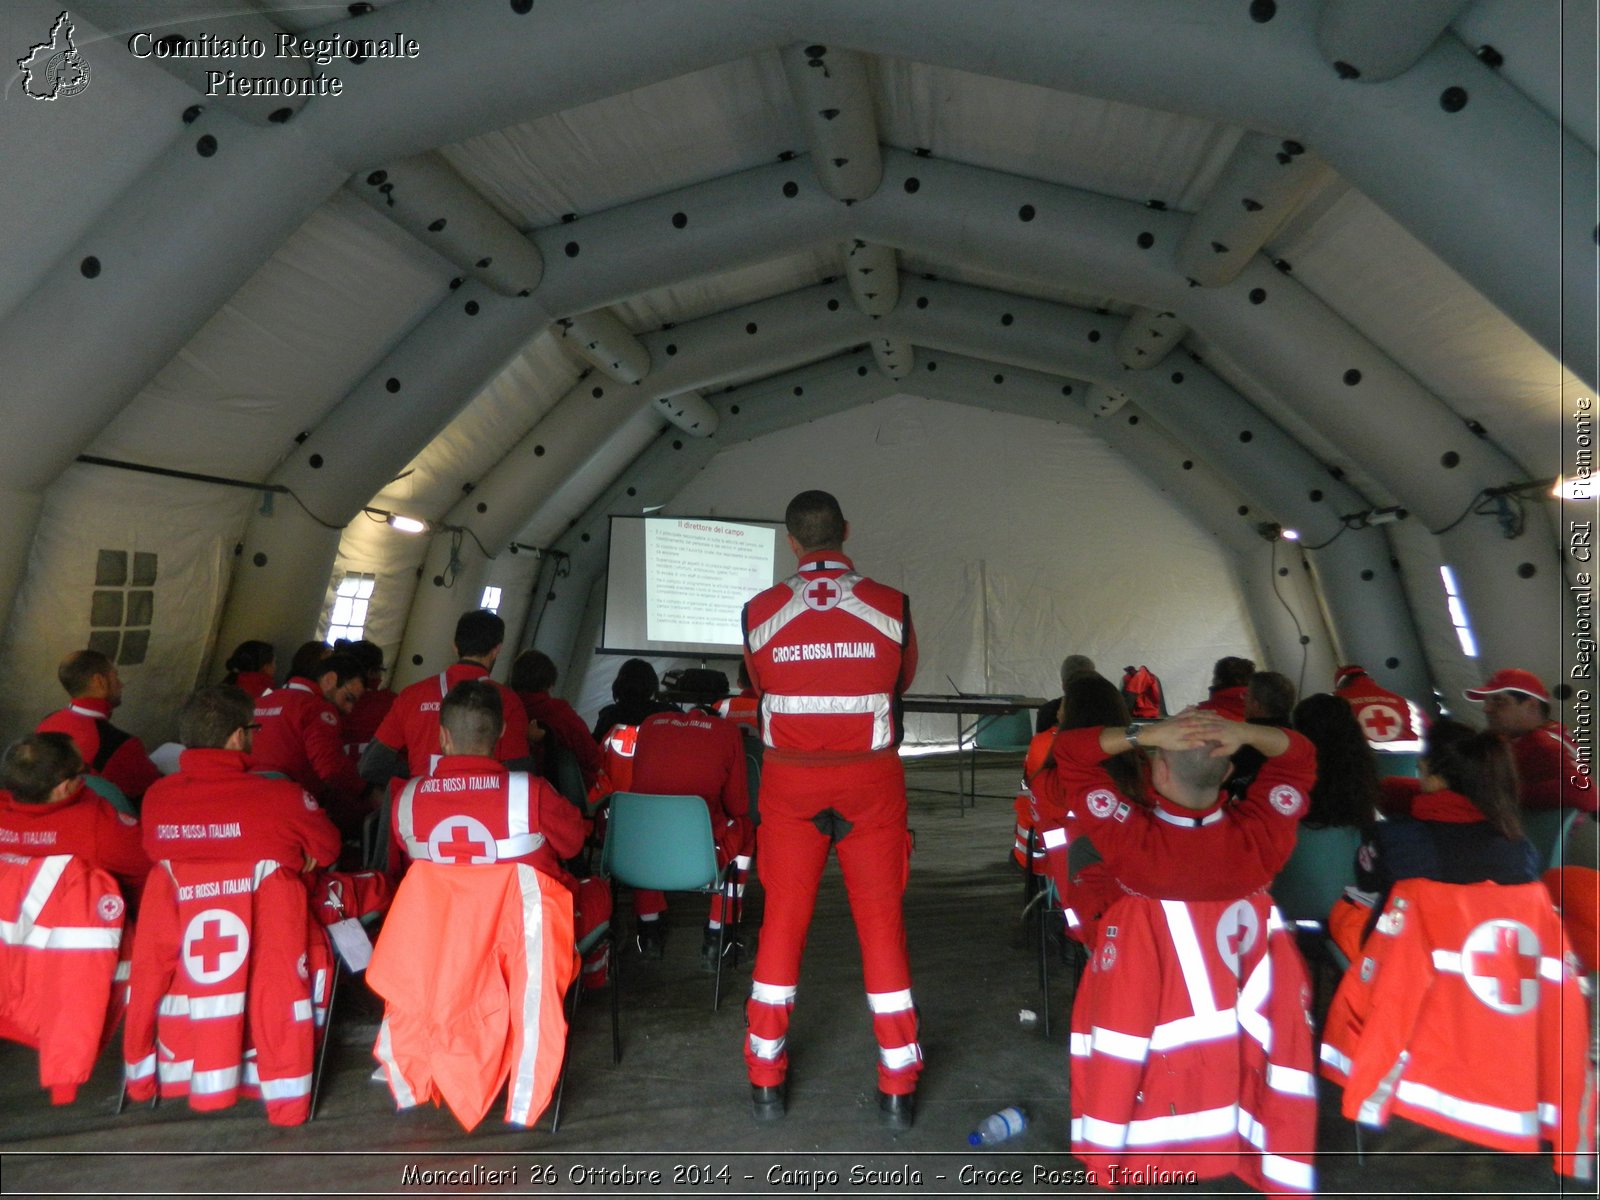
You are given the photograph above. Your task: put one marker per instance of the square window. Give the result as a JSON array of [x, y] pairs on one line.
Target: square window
[[105, 610], [135, 644], [105, 641], [144, 569], [141, 609], [111, 569], [491, 599], [342, 608]]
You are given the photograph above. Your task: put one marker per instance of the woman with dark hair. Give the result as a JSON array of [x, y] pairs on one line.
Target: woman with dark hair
[[633, 696], [533, 674], [251, 667], [1462, 825], [1346, 791]]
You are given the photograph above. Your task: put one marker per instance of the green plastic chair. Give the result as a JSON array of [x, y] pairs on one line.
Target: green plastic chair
[[1397, 762], [1006, 731], [585, 944], [564, 773], [1547, 829], [1321, 867], [110, 793], [663, 843]]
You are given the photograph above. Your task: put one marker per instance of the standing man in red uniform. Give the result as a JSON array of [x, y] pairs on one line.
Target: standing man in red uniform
[[299, 736], [696, 753], [1549, 772], [1384, 716], [91, 680], [830, 653], [408, 740]]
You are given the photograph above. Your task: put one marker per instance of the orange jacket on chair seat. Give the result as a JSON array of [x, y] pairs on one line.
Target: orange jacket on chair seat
[[1464, 1014], [472, 964]]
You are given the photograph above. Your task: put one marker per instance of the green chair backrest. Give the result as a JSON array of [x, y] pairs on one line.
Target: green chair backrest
[[1544, 827], [1321, 867], [1397, 762], [564, 773], [659, 842], [110, 793], [1007, 731]]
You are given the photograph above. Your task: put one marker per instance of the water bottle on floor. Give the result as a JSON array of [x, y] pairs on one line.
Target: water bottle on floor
[[1006, 1123]]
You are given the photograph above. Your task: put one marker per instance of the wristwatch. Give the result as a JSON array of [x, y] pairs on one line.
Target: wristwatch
[[1132, 734]]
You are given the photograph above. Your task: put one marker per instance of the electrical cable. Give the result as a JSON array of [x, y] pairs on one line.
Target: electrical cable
[[1305, 642], [1471, 508]]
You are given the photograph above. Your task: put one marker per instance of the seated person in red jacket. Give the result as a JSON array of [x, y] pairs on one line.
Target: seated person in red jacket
[[1549, 775], [92, 681], [215, 809], [744, 709], [298, 735], [1049, 712], [532, 677], [470, 809], [407, 741], [46, 809], [252, 667], [697, 753], [1456, 823], [375, 701], [1230, 677]]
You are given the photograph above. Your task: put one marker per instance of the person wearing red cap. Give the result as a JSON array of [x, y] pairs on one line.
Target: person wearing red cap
[[1550, 773], [1384, 716]]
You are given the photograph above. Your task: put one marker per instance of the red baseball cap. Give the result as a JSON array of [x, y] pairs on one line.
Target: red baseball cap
[[1510, 680]]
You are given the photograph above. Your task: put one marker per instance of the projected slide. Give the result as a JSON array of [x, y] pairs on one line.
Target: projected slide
[[676, 585], [697, 576]]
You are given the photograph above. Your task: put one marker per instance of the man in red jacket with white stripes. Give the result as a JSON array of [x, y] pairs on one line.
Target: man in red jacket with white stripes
[[92, 681]]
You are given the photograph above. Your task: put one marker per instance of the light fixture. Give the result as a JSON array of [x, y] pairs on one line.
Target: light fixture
[[1573, 489], [407, 524], [1374, 516], [1292, 535]]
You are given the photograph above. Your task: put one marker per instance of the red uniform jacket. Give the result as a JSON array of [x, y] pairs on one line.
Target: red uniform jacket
[[82, 825], [229, 984], [743, 709], [830, 653], [1384, 716], [563, 723], [214, 809], [107, 751], [301, 736], [1465, 1014], [253, 683], [412, 724], [698, 754], [472, 810], [361, 723], [1547, 770], [1225, 702], [61, 946]]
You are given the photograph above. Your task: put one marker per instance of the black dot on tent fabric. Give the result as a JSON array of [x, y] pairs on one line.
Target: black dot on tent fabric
[[833, 306], [1283, 570], [90, 267], [1305, 639], [1218, 248], [391, 386], [1251, 205], [677, 445], [377, 177], [999, 378], [734, 409], [1283, 264], [437, 226], [1490, 57], [750, 328], [416, 660], [799, 391], [816, 51], [1177, 377], [192, 114], [1258, 295], [316, 462], [1449, 459], [522, 7], [679, 220], [861, 370], [482, 507], [1352, 377], [1188, 464], [1066, 389], [259, 559], [1094, 335], [633, 491], [1146, 240], [1315, 495], [791, 189], [360, 9], [1367, 576], [672, 348], [933, 366], [912, 185], [1394, 564], [1244, 510], [1026, 213], [572, 249], [598, 392], [1526, 570], [1245, 435], [1006, 318], [525, 293], [1133, 420], [206, 146], [483, 263], [1453, 99], [538, 451], [456, 282], [584, 537], [1293, 148], [1262, 11], [922, 302], [1336, 472], [1391, 662], [470, 308], [280, 116]]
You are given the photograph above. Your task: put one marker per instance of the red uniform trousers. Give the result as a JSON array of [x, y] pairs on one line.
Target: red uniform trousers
[[875, 859]]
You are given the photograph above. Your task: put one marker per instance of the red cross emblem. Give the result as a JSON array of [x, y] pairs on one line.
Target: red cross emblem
[[215, 945], [1500, 961], [822, 595], [1238, 930], [461, 840], [1381, 723]]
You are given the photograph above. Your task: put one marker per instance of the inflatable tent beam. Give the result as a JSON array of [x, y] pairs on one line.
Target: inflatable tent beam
[[1375, 40]]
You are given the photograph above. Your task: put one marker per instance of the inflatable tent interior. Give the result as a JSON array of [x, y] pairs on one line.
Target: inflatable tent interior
[[1075, 306]]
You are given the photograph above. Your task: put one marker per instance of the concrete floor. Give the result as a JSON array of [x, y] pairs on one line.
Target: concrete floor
[[678, 1104]]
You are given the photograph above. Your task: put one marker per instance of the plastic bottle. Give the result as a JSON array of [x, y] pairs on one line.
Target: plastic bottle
[[1006, 1123]]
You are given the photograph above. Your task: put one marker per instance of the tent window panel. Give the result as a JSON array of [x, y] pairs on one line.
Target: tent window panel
[[111, 569], [1458, 613], [105, 610], [144, 569], [135, 645], [351, 598], [491, 599], [106, 641], [141, 609]]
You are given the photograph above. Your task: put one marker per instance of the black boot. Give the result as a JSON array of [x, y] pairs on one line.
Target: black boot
[[769, 1103], [897, 1111]]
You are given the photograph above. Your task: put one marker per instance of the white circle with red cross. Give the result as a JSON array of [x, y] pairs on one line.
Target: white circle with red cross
[[215, 945], [1381, 722], [462, 840], [109, 907], [1101, 802], [821, 594], [1238, 930], [1500, 962], [1286, 799]]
